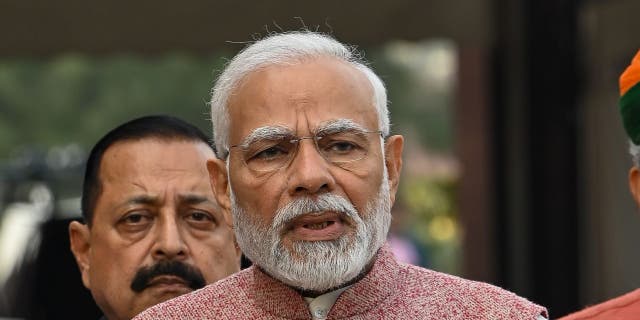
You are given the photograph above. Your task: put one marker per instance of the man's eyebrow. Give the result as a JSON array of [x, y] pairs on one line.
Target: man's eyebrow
[[140, 199], [191, 198], [339, 125], [266, 132], [278, 132]]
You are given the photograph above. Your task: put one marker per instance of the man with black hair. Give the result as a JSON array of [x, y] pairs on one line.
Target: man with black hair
[[152, 228]]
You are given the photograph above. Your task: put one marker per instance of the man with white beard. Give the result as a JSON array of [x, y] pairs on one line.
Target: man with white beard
[[309, 171]]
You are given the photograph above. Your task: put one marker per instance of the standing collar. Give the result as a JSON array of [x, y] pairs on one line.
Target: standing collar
[[280, 300]]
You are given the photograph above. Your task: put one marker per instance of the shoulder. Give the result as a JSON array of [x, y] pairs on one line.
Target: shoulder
[[435, 281], [622, 307], [455, 294], [214, 299]]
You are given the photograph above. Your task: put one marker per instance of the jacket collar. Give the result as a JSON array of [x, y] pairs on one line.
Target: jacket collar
[[271, 295]]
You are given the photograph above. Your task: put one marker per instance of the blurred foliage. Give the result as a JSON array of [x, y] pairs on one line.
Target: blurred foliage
[[74, 98], [420, 101], [420, 79], [433, 220]]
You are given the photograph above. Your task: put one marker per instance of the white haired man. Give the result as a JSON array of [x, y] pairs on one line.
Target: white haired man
[[310, 174], [626, 306]]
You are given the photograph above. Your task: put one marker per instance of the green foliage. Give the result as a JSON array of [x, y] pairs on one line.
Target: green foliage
[[74, 98], [433, 221], [416, 105]]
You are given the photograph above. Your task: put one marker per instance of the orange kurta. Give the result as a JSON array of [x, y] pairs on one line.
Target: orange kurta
[[626, 307]]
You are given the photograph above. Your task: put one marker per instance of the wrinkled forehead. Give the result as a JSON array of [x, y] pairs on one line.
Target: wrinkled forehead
[[302, 97]]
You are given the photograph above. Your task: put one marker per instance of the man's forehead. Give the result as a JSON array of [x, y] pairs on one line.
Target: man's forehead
[[294, 83], [134, 146], [324, 71], [301, 97], [137, 167], [145, 153]]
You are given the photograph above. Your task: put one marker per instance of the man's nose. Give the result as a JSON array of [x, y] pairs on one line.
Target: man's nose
[[169, 243], [309, 171]]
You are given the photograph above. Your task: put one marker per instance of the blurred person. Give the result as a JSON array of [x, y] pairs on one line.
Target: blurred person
[[36, 228], [626, 306], [310, 173], [153, 229]]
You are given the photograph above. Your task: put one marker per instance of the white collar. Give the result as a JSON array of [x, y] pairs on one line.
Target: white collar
[[320, 305]]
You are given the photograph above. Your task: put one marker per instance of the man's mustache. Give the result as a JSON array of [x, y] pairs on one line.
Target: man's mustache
[[306, 205], [191, 275]]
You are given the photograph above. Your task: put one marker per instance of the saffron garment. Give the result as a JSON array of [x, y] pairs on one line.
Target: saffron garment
[[391, 290], [623, 307]]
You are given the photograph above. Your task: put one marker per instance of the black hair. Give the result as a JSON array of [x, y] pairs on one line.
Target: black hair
[[155, 126]]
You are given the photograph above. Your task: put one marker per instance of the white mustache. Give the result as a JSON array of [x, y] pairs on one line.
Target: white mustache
[[313, 206]]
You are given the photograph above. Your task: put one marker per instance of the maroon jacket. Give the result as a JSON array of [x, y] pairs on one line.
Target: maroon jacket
[[391, 290]]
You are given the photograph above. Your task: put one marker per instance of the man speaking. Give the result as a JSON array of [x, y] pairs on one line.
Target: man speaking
[[310, 175]]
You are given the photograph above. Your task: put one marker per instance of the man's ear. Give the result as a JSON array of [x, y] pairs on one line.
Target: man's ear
[[634, 184], [393, 160], [79, 237], [219, 182]]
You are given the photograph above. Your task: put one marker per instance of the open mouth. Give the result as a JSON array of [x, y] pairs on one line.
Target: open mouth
[[317, 226]]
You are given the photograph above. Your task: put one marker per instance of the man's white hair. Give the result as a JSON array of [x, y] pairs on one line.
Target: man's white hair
[[634, 150], [285, 49]]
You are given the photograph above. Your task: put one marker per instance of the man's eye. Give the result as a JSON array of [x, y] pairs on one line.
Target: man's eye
[[200, 220], [341, 147], [135, 221], [271, 153], [135, 218], [200, 216]]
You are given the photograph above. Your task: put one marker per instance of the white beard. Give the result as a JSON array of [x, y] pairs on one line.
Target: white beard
[[315, 265]]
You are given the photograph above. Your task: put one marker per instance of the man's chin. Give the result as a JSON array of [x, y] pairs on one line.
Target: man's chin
[[304, 251], [163, 292], [154, 295]]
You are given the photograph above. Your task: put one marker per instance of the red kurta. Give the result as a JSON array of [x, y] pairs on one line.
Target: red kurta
[[391, 290], [625, 307]]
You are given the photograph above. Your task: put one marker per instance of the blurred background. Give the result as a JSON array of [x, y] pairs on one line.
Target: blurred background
[[515, 165]]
